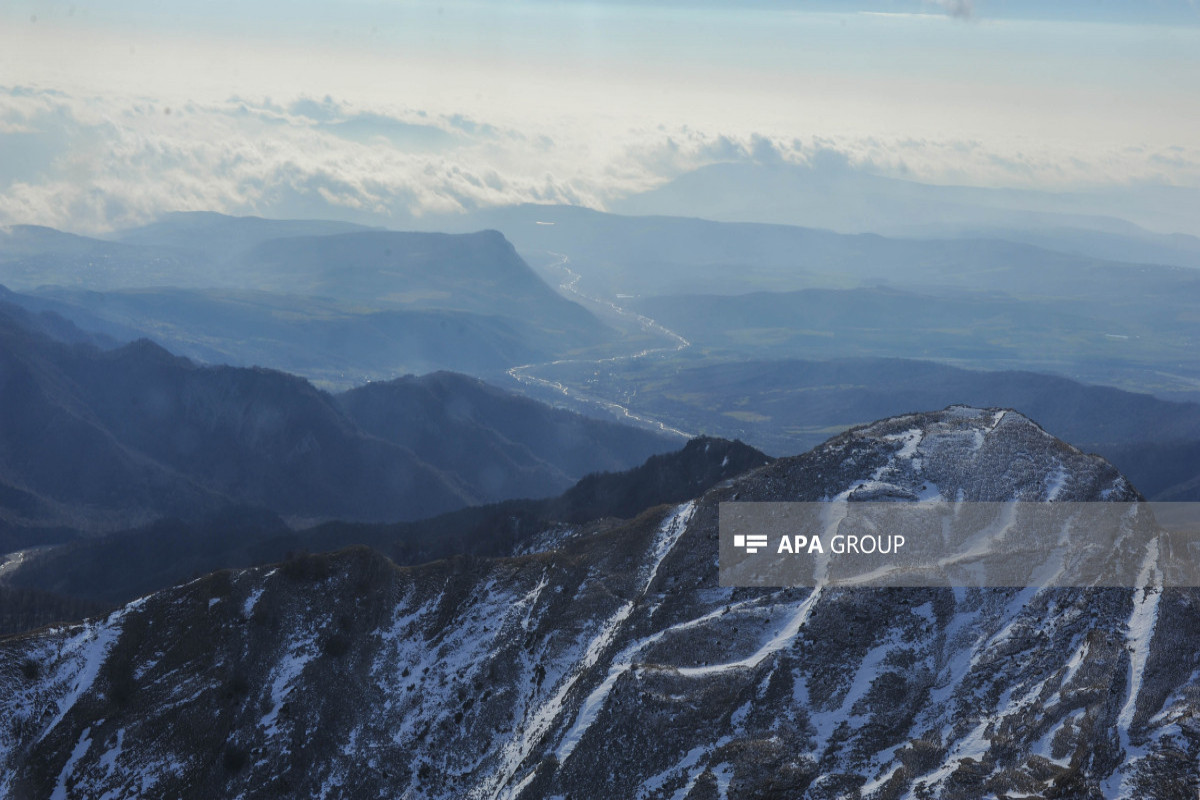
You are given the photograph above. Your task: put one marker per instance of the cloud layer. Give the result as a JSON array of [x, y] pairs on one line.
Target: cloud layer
[[92, 164]]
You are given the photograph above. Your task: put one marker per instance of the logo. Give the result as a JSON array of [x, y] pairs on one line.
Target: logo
[[751, 542]]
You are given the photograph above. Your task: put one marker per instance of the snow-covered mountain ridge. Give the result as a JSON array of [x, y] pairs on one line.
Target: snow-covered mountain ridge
[[609, 663]]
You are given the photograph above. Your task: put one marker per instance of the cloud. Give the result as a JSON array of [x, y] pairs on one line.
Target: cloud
[[91, 164]]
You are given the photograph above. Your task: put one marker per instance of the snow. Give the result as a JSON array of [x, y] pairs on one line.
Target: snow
[[1042, 747], [911, 439], [1140, 630], [81, 747], [670, 532], [724, 776], [692, 765], [826, 722], [252, 601], [543, 718], [973, 746], [870, 787], [530, 600], [1056, 482], [782, 639], [84, 654], [299, 653], [832, 518], [1075, 662], [1138, 635], [930, 493], [688, 763], [109, 760]]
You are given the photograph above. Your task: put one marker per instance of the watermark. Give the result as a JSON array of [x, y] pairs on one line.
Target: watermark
[[751, 543], [1023, 544]]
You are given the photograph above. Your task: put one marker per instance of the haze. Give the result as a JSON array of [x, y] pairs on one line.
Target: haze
[[388, 113]]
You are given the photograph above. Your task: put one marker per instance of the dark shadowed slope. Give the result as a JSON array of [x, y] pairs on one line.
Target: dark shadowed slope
[[123, 565], [102, 439], [504, 444]]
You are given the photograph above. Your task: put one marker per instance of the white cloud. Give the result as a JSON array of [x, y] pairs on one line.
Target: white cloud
[[96, 163]]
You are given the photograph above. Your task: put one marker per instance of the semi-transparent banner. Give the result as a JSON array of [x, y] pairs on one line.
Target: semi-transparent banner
[[960, 544]]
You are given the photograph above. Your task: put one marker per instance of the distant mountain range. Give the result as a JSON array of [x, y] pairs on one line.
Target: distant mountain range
[[786, 406], [686, 255], [988, 303], [351, 305], [829, 193], [97, 439]]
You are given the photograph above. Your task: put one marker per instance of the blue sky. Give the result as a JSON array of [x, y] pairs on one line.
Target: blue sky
[[112, 112]]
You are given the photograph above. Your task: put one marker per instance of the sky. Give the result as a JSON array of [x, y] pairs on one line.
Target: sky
[[378, 110]]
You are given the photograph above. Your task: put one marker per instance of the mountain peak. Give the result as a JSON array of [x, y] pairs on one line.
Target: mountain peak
[[612, 664], [959, 453]]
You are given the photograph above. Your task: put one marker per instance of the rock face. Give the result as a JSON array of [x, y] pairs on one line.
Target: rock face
[[607, 662]]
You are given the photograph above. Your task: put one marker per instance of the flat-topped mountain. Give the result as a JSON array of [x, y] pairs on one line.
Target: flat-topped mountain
[[338, 303]]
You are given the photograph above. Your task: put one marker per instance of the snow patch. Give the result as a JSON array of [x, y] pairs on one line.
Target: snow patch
[[83, 654], [81, 748], [290, 666], [252, 601]]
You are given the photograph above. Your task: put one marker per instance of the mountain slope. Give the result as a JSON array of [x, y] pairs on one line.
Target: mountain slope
[[611, 664], [123, 565], [339, 303], [504, 444], [33, 256], [219, 237], [644, 255], [333, 343], [105, 439]]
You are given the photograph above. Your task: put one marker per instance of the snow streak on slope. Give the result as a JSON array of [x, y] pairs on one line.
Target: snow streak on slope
[[546, 716], [1138, 635]]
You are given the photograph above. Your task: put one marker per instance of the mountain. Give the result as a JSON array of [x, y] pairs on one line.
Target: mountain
[[608, 662], [325, 341], [504, 444], [103, 439], [338, 303], [219, 237], [118, 567], [33, 256], [478, 272], [646, 255], [1134, 247], [788, 405], [27, 609]]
